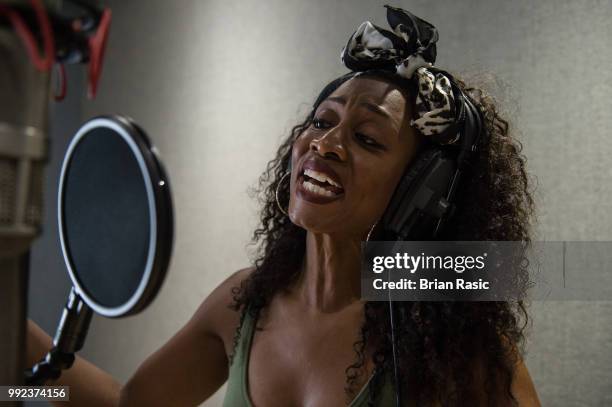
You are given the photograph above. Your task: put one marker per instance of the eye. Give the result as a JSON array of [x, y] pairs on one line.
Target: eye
[[365, 140], [368, 141], [319, 123]]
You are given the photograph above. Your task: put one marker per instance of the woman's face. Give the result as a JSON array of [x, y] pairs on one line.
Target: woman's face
[[347, 163]]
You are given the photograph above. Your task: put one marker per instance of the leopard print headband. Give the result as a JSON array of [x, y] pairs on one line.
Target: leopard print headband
[[409, 51]]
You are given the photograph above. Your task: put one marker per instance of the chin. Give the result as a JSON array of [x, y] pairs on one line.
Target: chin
[[312, 220]]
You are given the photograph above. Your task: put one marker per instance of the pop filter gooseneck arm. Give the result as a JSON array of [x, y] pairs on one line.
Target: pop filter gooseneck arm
[[69, 339]]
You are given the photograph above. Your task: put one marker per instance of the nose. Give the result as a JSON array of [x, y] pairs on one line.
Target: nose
[[330, 145]]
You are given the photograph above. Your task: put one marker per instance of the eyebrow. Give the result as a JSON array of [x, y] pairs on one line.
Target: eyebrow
[[370, 106]]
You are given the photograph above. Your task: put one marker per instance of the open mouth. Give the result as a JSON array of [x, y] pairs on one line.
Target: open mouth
[[319, 183]]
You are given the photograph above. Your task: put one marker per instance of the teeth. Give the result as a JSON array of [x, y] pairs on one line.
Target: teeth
[[321, 177], [317, 189]]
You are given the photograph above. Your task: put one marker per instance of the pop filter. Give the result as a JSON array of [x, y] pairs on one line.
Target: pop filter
[[115, 216], [116, 231]]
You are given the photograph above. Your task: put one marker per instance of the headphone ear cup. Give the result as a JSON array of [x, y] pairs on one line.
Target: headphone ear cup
[[413, 209], [412, 172]]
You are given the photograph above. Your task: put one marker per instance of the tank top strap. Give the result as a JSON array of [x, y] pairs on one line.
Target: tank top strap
[[237, 392], [243, 347]]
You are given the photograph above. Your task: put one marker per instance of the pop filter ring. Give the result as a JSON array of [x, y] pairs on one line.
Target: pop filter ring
[[160, 215]]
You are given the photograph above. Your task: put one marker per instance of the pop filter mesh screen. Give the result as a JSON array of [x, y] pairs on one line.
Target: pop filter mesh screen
[[106, 217]]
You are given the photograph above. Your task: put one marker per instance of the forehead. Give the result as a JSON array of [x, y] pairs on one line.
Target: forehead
[[376, 91]]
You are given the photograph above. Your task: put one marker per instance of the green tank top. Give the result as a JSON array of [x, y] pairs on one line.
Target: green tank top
[[237, 394]]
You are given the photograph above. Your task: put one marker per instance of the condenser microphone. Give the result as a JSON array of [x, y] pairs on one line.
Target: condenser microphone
[[23, 152], [29, 47], [24, 92]]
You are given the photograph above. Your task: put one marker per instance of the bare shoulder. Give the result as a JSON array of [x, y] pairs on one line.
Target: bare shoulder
[[215, 315], [194, 359], [523, 388]]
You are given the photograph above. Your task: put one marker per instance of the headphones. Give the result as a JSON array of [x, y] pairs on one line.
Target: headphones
[[424, 198]]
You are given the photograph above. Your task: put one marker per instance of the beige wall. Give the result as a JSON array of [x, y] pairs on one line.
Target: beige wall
[[217, 83]]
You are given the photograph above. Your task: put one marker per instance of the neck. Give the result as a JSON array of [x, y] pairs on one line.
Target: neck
[[330, 280]]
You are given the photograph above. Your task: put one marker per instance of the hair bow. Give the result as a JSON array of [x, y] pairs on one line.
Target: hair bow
[[410, 51]]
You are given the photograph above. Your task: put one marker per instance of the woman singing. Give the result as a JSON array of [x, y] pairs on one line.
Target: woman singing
[[293, 329]]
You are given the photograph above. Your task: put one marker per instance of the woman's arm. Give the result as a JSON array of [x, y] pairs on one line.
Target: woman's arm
[[193, 364], [187, 370], [89, 385]]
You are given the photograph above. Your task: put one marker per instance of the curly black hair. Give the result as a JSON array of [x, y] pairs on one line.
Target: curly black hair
[[450, 353]]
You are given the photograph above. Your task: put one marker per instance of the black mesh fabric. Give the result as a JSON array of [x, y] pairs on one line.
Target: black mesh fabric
[[106, 217]]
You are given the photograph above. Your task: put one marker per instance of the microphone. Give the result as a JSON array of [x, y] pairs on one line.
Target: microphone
[[25, 82], [24, 93]]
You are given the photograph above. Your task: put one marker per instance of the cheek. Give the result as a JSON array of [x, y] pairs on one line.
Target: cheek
[[374, 188], [300, 146]]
